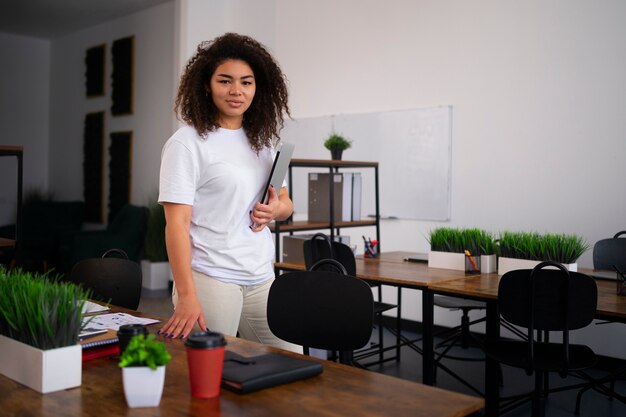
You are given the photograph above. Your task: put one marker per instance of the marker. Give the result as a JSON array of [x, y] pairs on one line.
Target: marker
[[409, 259], [467, 253]]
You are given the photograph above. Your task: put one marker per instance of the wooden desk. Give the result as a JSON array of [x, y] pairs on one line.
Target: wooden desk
[[6, 243], [390, 269], [339, 391], [485, 288]]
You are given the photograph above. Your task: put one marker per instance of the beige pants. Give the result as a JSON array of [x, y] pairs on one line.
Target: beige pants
[[229, 308]]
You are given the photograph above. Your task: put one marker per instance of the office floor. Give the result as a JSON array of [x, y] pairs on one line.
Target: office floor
[[515, 381]]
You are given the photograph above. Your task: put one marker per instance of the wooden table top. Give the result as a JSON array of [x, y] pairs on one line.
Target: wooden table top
[[7, 243], [390, 268], [11, 150], [339, 391], [610, 305]]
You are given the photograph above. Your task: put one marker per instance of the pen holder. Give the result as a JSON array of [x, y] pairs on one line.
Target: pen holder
[[474, 267], [621, 287], [370, 250]]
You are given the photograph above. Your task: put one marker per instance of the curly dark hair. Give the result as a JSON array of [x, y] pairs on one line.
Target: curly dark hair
[[263, 120]]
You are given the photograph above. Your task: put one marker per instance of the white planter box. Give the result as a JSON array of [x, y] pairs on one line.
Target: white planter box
[[446, 260], [42, 370], [509, 264], [487, 264], [143, 386], [155, 275]]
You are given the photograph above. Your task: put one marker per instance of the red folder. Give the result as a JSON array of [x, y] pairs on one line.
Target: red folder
[[100, 351]]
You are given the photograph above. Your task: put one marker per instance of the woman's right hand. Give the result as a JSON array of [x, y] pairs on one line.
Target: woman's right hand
[[188, 312]]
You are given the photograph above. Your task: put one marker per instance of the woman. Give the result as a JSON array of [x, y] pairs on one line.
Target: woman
[[232, 96]]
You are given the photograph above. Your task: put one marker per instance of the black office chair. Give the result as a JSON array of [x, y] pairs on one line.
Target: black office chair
[[320, 247], [541, 301], [460, 335], [322, 309], [610, 255], [111, 280]]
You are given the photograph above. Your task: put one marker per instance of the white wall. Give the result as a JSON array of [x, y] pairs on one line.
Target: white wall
[[151, 121], [201, 20], [538, 91], [24, 95]]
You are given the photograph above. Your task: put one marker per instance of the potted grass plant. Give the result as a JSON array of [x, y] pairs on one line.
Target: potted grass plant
[[143, 371], [40, 319], [155, 270], [488, 256], [456, 248], [524, 250], [336, 144]]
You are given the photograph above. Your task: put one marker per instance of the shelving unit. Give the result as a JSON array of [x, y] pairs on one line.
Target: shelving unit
[[18, 152], [333, 226]]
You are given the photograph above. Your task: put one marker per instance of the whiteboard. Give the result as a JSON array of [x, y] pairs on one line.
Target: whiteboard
[[413, 149]]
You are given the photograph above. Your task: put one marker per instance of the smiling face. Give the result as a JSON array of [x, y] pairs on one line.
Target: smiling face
[[232, 89]]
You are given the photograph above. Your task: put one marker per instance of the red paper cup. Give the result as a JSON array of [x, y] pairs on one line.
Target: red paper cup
[[205, 358]]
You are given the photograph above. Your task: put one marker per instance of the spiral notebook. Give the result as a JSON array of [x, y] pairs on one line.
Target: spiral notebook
[[107, 337]]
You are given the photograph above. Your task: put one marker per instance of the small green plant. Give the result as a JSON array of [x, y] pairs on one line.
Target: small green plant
[[155, 233], [448, 239], [336, 142], [145, 351], [40, 310], [560, 248]]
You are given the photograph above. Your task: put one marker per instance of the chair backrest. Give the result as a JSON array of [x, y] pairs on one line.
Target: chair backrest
[[542, 299], [321, 309], [608, 253], [321, 247], [557, 299], [114, 280]]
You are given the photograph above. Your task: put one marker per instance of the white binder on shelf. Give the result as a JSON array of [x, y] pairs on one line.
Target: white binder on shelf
[[356, 196], [346, 209]]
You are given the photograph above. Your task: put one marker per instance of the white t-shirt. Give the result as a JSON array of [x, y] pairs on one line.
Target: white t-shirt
[[222, 177]]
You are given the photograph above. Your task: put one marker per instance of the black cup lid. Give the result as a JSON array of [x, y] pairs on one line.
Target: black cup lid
[[205, 340], [132, 329]]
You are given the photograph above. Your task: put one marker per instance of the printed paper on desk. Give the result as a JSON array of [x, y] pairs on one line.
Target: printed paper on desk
[[115, 320], [91, 307]]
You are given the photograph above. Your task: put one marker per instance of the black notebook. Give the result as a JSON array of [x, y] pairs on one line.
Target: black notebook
[[244, 375]]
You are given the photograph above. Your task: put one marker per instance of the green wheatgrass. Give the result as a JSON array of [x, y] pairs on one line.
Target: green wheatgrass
[[458, 240], [562, 248], [40, 310]]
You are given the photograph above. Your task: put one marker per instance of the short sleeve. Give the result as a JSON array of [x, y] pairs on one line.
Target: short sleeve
[[178, 176]]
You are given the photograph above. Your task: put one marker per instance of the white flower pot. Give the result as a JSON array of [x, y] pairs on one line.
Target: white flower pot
[[42, 370], [143, 386], [155, 275], [487, 264], [509, 264], [446, 260]]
